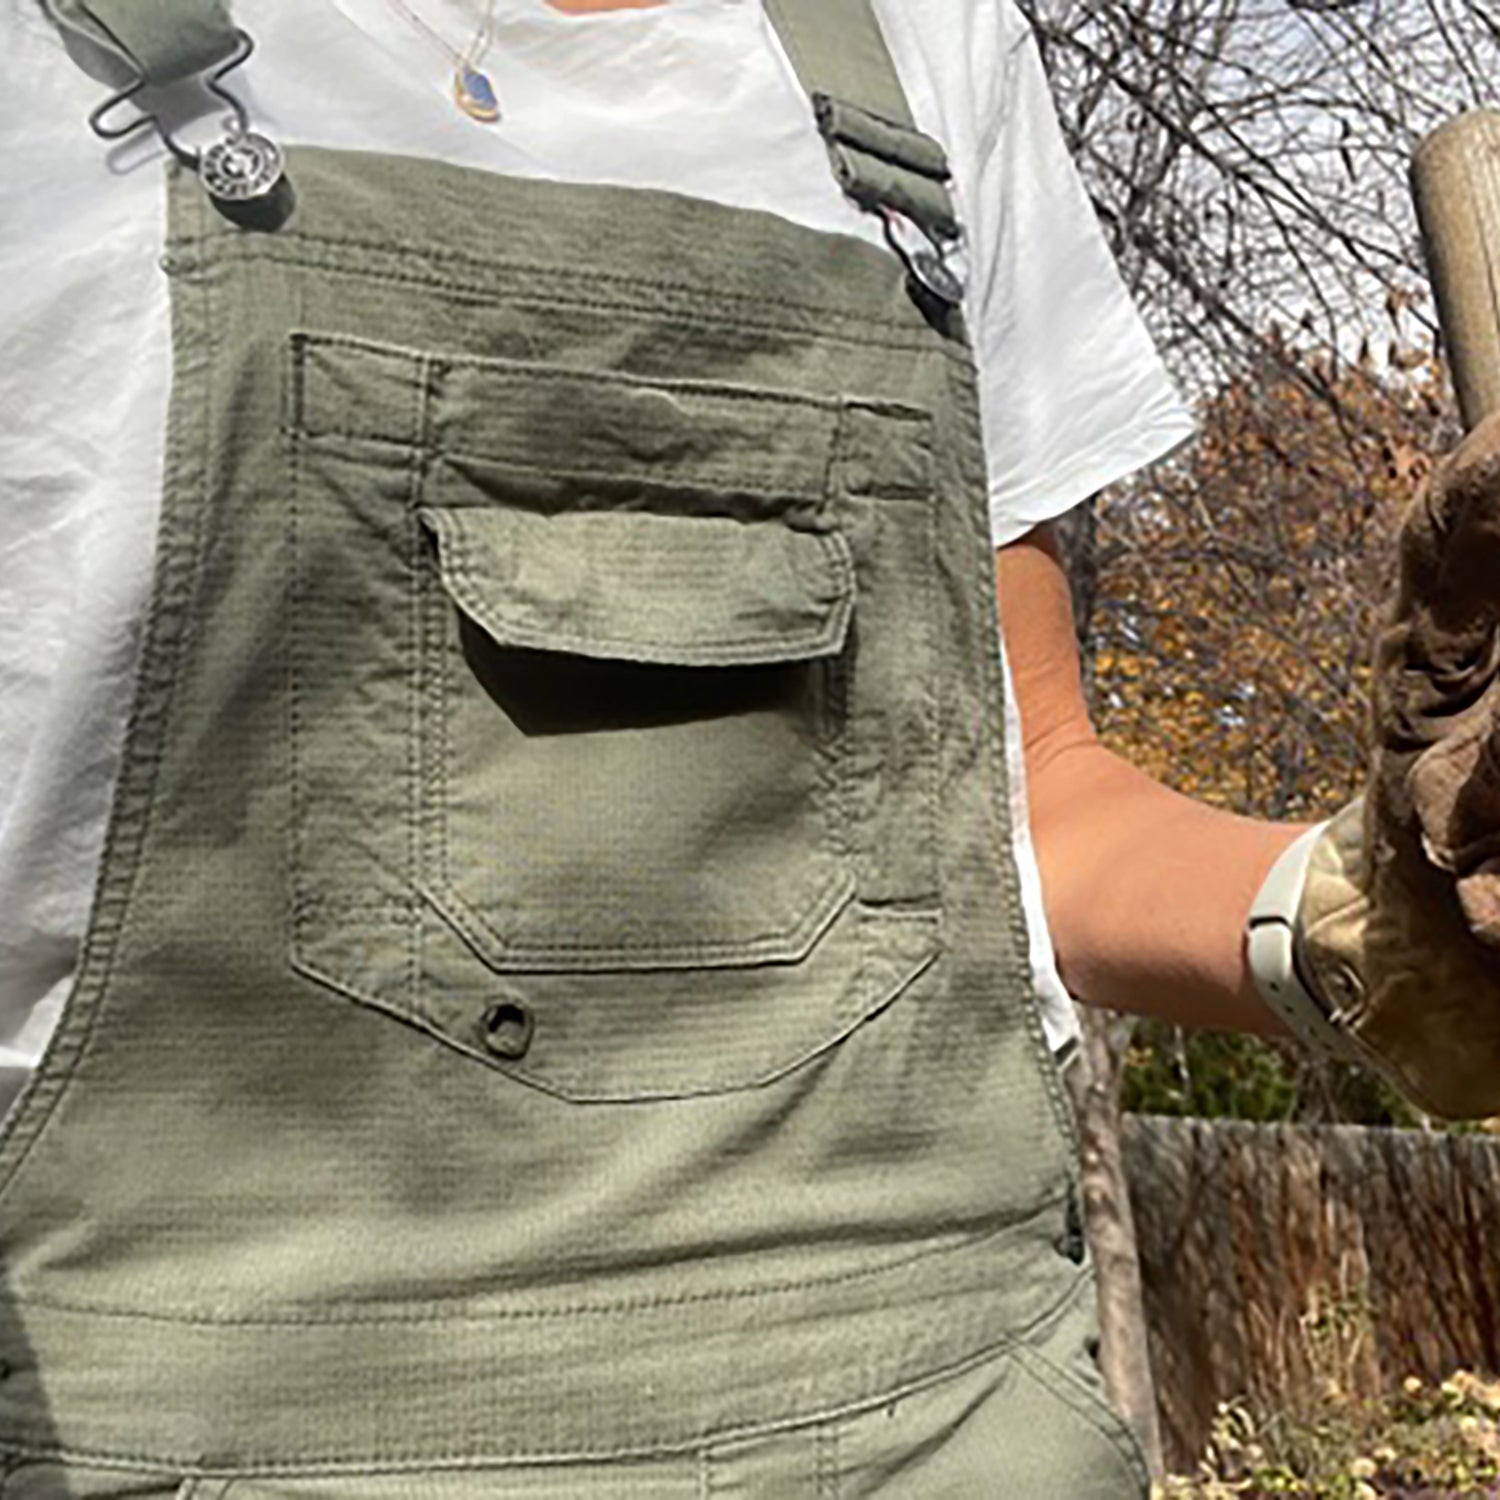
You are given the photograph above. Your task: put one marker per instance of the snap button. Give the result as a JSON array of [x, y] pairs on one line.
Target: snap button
[[1073, 1242], [931, 261], [508, 1028]]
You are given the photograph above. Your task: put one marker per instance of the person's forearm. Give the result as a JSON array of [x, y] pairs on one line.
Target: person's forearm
[[1147, 891]]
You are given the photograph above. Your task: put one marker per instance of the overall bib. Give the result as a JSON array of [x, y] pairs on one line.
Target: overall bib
[[556, 1016]]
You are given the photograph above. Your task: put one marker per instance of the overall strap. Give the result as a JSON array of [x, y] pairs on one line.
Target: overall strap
[[157, 41], [881, 160]]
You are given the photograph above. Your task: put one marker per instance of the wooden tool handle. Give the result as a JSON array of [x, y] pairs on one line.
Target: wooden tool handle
[[1455, 176]]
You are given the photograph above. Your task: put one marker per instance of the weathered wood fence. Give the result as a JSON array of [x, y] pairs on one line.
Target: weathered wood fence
[[1276, 1259]]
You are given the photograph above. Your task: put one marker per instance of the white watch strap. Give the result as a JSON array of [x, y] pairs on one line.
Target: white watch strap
[[1271, 949]]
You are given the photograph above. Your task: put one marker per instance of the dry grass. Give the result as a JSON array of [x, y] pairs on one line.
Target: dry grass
[[1421, 1442]]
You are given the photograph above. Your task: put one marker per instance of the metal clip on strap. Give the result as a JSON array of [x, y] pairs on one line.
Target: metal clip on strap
[[156, 43], [897, 172], [881, 160]]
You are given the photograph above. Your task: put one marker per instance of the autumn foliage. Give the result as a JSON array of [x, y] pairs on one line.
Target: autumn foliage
[[1239, 587], [1235, 597]]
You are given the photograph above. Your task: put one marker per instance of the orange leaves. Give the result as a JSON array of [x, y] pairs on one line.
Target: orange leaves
[[1240, 586]]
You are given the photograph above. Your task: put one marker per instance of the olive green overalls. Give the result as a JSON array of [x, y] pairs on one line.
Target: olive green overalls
[[556, 1018]]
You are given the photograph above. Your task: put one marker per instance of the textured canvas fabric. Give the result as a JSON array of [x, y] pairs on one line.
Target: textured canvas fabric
[[692, 96], [151, 39], [1014, 1421], [554, 1004]]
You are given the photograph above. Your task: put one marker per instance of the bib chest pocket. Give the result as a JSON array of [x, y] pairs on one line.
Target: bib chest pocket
[[584, 682]]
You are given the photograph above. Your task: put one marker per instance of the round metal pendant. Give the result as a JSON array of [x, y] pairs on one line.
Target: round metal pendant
[[934, 264], [929, 267], [241, 167]]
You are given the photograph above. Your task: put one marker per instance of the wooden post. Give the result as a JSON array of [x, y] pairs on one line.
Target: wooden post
[[1124, 1345], [1455, 178]]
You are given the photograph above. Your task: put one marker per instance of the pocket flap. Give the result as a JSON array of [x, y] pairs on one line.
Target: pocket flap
[[638, 586]]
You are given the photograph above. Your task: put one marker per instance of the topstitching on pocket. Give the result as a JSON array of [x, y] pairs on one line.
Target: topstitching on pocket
[[587, 701]]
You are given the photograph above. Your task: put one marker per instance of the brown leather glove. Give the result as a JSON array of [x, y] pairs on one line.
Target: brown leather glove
[[1398, 929]]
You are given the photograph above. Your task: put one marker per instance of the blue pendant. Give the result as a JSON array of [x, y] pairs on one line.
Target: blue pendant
[[475, 94]]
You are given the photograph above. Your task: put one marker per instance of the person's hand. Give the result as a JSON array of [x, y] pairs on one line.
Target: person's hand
[[1398, 930]]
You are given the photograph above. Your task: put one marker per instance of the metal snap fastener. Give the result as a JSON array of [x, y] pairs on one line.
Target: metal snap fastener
[[929, 267], [507, 1029], [240, 166], [1073, 1241], [929, 259]]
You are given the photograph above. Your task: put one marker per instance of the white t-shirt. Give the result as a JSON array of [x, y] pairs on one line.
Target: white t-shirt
[[696, 96]]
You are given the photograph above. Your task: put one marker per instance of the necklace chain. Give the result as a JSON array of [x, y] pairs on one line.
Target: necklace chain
[[472, 90]]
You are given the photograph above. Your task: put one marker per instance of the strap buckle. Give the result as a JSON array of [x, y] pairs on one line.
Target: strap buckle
[[934, 262], [242, 171]]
